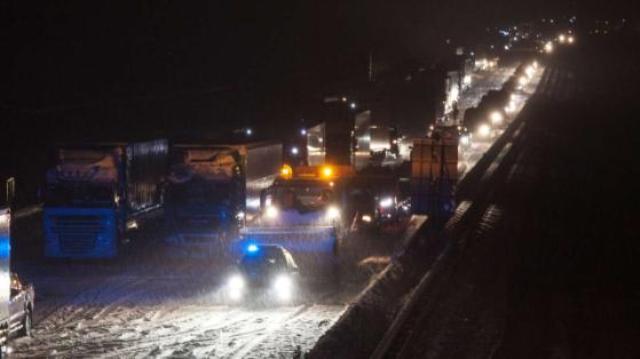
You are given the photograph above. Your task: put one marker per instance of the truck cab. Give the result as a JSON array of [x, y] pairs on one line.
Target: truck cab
[[205, 197]]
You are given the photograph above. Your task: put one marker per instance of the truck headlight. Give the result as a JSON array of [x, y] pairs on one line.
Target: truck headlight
[[283, 287], [464, 140], [496, 118], [271, 212], [484, 130], [386, 202], [333, 213]]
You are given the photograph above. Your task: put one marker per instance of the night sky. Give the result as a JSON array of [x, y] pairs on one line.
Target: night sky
[[164, 65]]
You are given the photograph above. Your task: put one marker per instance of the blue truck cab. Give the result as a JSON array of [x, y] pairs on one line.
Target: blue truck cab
[[95, 193]]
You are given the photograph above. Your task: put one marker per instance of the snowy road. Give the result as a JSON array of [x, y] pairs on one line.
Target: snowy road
[[149, 307], [155, 307], [136, 315]]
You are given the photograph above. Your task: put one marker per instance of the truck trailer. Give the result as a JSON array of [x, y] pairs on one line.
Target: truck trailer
[[96, 193], [261, 161]]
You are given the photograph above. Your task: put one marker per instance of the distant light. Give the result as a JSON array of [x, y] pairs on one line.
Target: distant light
[[467, 80], [333, 213], [386, 202], [303, 132], [464, 140], [571, 39], [294, 150], [320, 139], [562, 38], [548, 47], [366, 218], [248, 131], [522, 81], [132, 224], [327, 171], [286, 171], [271, 212], [352, 105], [506, 47], [496, 118], [484, 130], [530, 71], [252, 248], [344, 99]]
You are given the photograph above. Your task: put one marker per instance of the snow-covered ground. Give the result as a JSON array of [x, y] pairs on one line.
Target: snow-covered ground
[[152, 307], [162, 307], [83, 311]]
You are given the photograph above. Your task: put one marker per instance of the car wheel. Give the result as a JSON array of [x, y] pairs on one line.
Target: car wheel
[[27, 325]]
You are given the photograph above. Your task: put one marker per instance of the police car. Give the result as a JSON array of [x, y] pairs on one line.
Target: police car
[[264, 271]]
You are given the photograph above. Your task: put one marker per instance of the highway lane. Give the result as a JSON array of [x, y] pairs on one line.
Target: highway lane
[[152, 307]]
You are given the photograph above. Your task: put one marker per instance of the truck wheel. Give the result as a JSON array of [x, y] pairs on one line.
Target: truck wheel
[[27, 325]]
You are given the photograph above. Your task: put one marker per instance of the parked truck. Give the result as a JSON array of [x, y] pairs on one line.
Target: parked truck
[[205, 197], [96, 193], [211, 188]]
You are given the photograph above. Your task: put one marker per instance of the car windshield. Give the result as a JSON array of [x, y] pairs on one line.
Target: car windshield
[[265, 260]]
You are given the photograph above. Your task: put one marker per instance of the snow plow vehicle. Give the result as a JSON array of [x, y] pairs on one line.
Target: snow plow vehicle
[[302, 212]]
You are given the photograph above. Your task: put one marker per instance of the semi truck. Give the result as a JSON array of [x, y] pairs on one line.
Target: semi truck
[[97, 193], [212, 188], [205, 196]]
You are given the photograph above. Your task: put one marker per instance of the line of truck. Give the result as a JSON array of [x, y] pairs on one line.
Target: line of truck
[[98, 195]]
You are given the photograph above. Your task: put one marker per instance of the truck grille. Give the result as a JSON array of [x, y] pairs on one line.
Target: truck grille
[[77, 234]]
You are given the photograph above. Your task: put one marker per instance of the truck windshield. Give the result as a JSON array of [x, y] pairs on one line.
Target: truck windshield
[[306, 194], [84, 194], [201, 193]]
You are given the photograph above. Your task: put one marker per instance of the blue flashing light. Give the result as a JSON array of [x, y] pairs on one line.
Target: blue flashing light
[[252, 248]]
